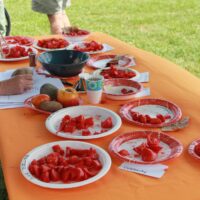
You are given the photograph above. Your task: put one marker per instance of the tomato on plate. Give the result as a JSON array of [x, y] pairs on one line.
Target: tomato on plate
[[107, 123], [38, 99], [148, 154], [124, 152]]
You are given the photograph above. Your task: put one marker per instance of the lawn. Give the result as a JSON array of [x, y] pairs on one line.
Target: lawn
[[167, 28]]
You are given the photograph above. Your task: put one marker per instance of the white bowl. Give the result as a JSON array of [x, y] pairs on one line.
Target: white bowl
[[74, 39]]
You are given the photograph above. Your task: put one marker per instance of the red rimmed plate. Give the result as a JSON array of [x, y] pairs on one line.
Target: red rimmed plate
[[191, 149], [28, 104], [101, 61], [121, 89], [108, 70], [171, 147], [20, 40], [151, 107]]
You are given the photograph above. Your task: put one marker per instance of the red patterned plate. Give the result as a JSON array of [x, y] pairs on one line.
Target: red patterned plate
[[121, 89], [191, 149], [20, 40], [171, 147], [28, 104], [151, 107], [101, 61]]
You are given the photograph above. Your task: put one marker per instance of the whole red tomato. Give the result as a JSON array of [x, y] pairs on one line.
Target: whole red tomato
[[38, 99], [68, 97]]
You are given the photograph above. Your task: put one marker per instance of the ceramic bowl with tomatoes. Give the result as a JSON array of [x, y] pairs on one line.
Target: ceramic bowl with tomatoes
[[63, 63], [75, 34]]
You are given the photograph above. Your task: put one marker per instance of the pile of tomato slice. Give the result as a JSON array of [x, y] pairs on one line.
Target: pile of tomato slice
[[19, 40], [77, 32], [53, 43], [89, 46], [71, 124], [16, 52], [146, 119], [69, 165], [126, 91], [148, 150], [113, 72]]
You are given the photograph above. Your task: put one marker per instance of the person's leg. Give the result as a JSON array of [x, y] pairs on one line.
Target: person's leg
[[65, 18], [56, 24], [55, 10]]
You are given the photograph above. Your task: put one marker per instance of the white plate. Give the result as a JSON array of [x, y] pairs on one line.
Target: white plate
[[53, 121], [135, 78], [45, 149], [106, 48], [21, 58], [46, 49]]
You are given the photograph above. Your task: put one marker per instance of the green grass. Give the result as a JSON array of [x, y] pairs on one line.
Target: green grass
[[167, 28]]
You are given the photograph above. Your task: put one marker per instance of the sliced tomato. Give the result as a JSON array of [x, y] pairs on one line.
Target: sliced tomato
[[87, 161], [107, 123], [89, 122], [86, 133], [80, 122], [34, 170], [134, 115], [140, 148], [155, 121], [124, 152], [45, 177], [58, 149], [148, 155], [161, 117], [152, 140], [90, 172], [53, 158], [44, 168], [96, 164], [54, 175], [142, 119], [73, 159], [69, 128]]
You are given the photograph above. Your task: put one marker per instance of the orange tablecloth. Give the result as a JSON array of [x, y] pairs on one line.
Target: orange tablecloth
[[21, 130]]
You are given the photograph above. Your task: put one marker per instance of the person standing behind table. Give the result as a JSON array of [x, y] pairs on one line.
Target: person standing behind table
[[55, 10], [2, 19]]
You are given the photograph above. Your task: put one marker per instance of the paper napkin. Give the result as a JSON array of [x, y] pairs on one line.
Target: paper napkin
[[143, 93], [143, 78]]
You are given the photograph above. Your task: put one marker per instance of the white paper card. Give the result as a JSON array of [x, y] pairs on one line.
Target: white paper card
[[153, 170]]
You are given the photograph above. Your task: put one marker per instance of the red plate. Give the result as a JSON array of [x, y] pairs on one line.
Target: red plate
[[191, 149], [171, 147], [151, 107], [113, 88], [28, 104], [100, 62], [20, 40]]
